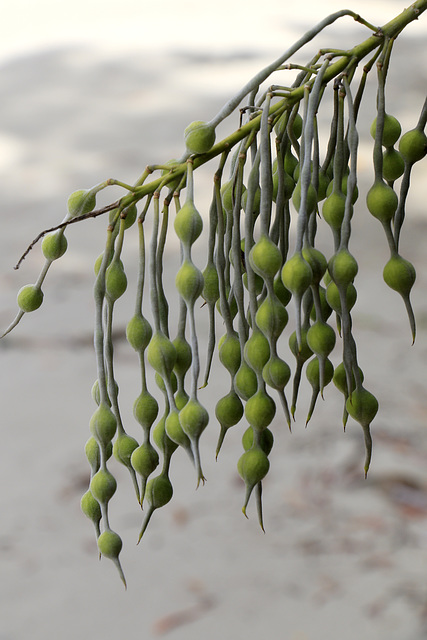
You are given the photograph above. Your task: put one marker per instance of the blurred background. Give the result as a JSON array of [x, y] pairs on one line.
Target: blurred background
[[91, 90]]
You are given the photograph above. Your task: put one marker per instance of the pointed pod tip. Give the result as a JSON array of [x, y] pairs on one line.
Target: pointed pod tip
[[244, 512]]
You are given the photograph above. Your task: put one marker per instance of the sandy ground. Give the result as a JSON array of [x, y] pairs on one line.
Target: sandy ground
[[341, 557]]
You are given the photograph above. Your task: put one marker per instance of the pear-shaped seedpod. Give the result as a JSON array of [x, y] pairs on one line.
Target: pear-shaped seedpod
[[245, 381], [145, 409], [333, 209], [181, 398], [288, 185], [297, 275], [271, 317], [189, 282], [343, 190], [311, 199], [194, 419], [161, 354], [54, 245], [103, 486], [362, 406], [144, 460], [81, 202], [290, 162], [138, 332], [265, 257], [265, 440], [391, 130], [317, 262], [334, 300], [325, 308], [276, 373], [93, 454], [158, 493], [172, 381], [110, 545], [393, 164], [313, 373], [115, 280], [184, 356], [382, 201], [210, 292], [188, 223], [229, 352], [255, 204], [260, 410], [162, 440], [399, 274], [123, 447], [321, 338], [413, 145], [258, 283], [282, 293], [257, 351], [228, 412], [343, 268], [103, 424], [281, 124], [199, 136], [340, 379], [322, 189], [302, 352], [176, 433], [91, 509], [253, 466], [29, 298]]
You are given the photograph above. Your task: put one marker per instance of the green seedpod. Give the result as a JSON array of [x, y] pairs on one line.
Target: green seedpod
[[393, 164], [123, 447], [317, 262], [321, 338], [194, 419], [103, 424], [297, 275], [54, 245], [96, 395], [184, 356], [326, 310], [229, 410], [161, 354], [103, 486], [260, 410], [188, 223], [175, 431], [265, 439], [305, 352], [362, 406], [344, 180], [210, 292], [162, 440], [288, 185], [257, 351], [93, 453], [115, 280], [189, 282], [144, 459], [245, 381], [322, 189], [413, 145], [399, 274], [333, 209], [110, 544], [271, 317], [276, 373], [382, 201], [91, 509], [159, 491], [311, 200], [343, 268], [172, 379], [229, 352], [282, 293], [290, 162], [199, 136], [98, 261], [138, 332], [81, 202], [313, 372], [391, 130], [340, 379], [265, 257], [256, 201], [181, 399], [231, 302], [259, 282], [29, 298], [334, 300], [227, 197], [145, 409], [129, 215], [253, 466]]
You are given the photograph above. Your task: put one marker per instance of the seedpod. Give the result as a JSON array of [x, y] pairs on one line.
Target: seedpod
[[189, 282], [265, 439], [282, 293], [161, 354], [176, 433], [115, 280], [145, 409], [257, 351], [252, 466], [54, 245], [334, 300], [313, 373], [210, 292], [103, 486], [172, 381], [362, 406], [162, 440], [138, 332], [81, 202], [194, 419], [229, 352], [144, 460], [317, 262], [391, 130], [184, 356], [333, 209], [297, 275], [399, 274], [382, 201], [413, 145], [103, 424], [199, 136], [260, 410], [343, 268], [265, 258], [311, 199], [228, 412], [188, 223], [340, 379], [393, 164], [245, 381], [276, 373], [29, 298], [321, 338], [271, 317], [123, 447], [91, 509], [110, 546]]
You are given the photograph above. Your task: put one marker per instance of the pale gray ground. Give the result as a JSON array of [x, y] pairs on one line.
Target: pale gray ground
[[341, 557]]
